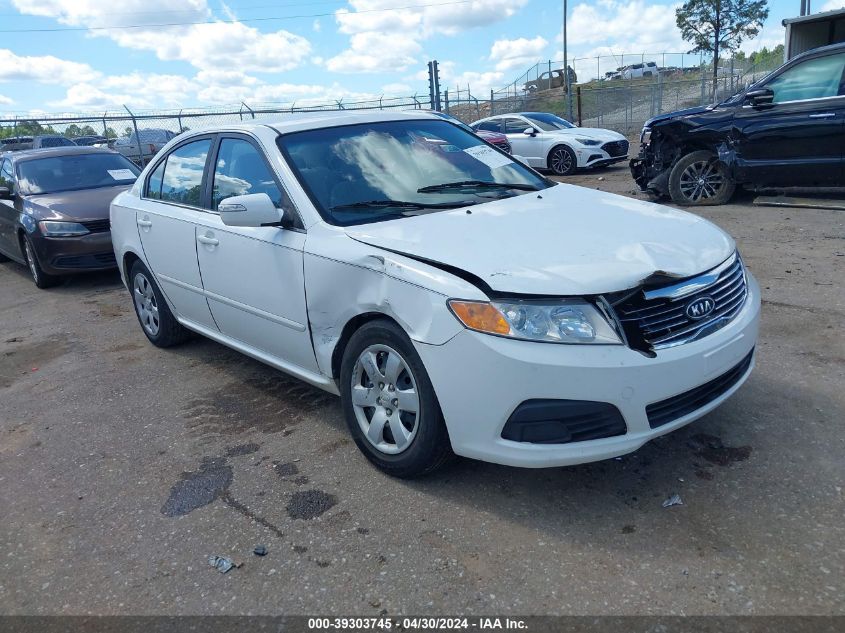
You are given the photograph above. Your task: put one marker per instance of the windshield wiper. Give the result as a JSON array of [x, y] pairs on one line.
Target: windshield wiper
[[475, 184], [397, 204]]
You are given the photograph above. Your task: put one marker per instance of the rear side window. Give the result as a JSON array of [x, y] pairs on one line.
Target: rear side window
[[240, 170], [183, 170], [812, 79], [6, 178], [489, 126]]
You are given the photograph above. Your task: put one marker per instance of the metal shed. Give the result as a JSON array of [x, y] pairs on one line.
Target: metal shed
[[812, 31]]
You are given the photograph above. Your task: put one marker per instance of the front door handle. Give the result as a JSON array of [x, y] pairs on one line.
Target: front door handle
[[144, 223], [209, 241], [823, 115]]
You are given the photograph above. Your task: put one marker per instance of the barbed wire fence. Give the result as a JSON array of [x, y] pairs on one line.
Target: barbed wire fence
[[618, 95]]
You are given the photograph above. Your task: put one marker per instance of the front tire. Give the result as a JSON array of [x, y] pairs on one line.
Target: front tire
[[700, 179], [157, 321], [562, 161], [39, 277], [389, 403]]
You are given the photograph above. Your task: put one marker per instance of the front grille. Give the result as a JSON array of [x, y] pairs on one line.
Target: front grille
[[97, 260], [670, 409], [97, 226], [616, 148], [503, 145], [659, 316]]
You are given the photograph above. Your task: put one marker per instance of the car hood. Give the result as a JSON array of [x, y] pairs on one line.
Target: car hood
[[593, 133], [85, 204], [678, 114], [567, 240]]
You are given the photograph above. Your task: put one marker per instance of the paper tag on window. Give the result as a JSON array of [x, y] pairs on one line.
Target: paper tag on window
[[488, 156], [121, 174]]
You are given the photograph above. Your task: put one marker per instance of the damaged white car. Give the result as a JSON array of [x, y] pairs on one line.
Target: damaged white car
[[455, 299]]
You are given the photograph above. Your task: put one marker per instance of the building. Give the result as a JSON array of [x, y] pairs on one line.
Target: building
[[812, 31]]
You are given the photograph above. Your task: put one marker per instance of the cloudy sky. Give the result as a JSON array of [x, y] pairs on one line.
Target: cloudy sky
[[58, 55]]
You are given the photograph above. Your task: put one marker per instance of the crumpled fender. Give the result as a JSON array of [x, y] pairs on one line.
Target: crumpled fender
[[345, 278]]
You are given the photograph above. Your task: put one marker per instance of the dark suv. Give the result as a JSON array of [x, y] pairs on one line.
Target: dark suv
[[785, 131]]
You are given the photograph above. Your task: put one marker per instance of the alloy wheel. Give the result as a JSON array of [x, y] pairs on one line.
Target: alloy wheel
[[145, 304], [385, 399], [30, 260], [702, 180], [561, 161]]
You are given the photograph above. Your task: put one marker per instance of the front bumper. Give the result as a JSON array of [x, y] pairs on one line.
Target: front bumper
[[480, 380], [597, 157], [68, 255]]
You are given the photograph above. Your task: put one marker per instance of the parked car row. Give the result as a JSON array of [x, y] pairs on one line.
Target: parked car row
[[455, 299]]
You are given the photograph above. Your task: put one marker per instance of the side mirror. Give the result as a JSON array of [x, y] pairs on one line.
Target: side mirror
[[760, 97], [255, 209], [6, 193], [529, 131]]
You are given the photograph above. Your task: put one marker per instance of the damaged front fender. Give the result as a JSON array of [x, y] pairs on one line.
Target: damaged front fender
[[347, 279]]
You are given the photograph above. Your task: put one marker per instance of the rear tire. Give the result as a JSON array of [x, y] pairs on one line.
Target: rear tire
[[562, 161], [157, 321], [700, 179], [39, 277], [382, 381]]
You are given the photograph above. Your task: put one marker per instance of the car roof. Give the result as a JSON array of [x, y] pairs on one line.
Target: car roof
[[67, 150], [300, 121]]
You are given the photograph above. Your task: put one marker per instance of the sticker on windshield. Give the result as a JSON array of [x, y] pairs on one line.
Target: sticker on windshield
[[488, 156], [121, 174]]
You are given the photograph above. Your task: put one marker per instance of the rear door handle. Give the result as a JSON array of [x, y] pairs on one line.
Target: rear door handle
[[823, 115], [210, 241]]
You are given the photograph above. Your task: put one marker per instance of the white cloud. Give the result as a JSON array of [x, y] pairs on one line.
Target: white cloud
[[632, 26], [510, 54], [317, 26], [397, 88], [215, 46], [376, 52], [385, 41], [4, 100], [833, 5], [43, 69], [132, 90]]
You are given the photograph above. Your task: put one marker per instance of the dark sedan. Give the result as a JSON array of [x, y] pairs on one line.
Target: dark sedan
[[54, 209]]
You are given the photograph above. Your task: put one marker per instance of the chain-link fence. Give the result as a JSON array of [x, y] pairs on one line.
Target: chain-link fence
[[619, 92]]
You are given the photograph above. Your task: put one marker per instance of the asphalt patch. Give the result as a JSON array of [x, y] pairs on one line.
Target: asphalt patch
[[711, 449], [285, 470], [18, 359], [197, 489], [310, 504], [242, 449]]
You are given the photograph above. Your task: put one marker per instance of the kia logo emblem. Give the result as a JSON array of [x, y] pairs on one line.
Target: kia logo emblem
[[700, 308]]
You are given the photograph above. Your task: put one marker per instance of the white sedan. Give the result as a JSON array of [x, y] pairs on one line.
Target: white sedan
[[546, 141], [456, 300]]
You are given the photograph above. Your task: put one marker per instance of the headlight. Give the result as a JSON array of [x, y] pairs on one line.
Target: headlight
[[587, 141], [51, 228], [566, 321], [645, 135]]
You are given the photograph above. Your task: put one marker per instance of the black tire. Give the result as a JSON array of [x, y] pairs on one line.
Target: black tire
[[562, 161], [429, 448], [700, 179], [39, 277], [169, 331]]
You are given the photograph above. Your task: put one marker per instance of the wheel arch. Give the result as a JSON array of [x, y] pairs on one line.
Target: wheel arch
[[353, 325], [129, 259]]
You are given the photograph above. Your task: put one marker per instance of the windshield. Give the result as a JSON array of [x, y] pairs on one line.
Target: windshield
[[76, 171], [370, 172], [548, 122]]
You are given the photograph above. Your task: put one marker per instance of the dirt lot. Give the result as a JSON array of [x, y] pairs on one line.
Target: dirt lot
[[123, 467]]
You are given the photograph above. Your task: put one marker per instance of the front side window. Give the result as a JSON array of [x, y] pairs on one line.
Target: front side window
[[6, 178], [183, 170], [370, 172], [548, 122], [74, 172], [154, 183], [240, 170], [489, 126], [515, 126], [812, 79]]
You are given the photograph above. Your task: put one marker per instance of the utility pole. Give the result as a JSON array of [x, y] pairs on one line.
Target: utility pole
[[566, 67]]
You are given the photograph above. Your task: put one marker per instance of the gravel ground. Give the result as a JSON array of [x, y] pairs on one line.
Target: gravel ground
[[124, 467]]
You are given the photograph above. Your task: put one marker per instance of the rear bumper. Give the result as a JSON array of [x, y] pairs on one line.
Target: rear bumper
[[69, 255]]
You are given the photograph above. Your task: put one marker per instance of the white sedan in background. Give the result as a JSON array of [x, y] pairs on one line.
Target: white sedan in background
[[455, 299], [547, 141]]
